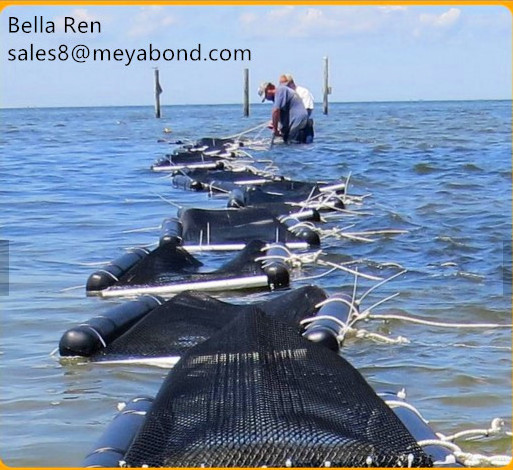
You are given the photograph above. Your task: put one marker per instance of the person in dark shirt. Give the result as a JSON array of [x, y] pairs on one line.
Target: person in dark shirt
[[289, 111]]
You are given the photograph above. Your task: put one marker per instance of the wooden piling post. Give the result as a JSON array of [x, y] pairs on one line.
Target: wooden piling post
[[246, 93], [327, 88], [158, 91]]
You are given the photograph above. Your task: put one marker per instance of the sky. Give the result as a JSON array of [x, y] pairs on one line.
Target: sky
[[376, 53]]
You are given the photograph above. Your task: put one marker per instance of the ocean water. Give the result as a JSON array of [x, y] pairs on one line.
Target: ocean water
[[76, 181]]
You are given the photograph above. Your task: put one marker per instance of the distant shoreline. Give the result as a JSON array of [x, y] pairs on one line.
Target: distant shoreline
[[319, 104]]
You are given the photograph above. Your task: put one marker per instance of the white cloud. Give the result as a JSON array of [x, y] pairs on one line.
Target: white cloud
[[166, 21], [490, 23], [392, 8], [311, 21], [280, 13], [293, 21], [443, 20], [248, 18], [79, 14], [150, 20], [318, 22]]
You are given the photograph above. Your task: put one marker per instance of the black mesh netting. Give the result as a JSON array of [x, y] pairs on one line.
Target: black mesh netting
[[274, 190], [233, 226], [283, 191], [171, 264], [221, 180], [257, 394], [191, 158], [266, 194], [277, 209], [184, 158], [213, 143], [192, 317], [286, 186], [165, 261]]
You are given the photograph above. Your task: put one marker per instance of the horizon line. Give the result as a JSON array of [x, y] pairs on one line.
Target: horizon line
[[254, 103]]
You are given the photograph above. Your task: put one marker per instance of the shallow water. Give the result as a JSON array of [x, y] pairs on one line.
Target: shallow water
[[76, 180]]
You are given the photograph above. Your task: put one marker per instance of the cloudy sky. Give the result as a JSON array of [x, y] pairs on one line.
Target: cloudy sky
[[377, 53]]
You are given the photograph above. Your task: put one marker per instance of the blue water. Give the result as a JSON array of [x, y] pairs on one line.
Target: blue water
[[75, 180]]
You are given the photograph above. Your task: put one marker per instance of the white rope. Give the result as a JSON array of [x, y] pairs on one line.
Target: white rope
[[283, 247], [382, 301], [347, 227], [496, 428], [307, 200], [469, 459], [237, 167], [466, 458], [347, 327], [306, 258], [272, 257], [351, 306], [403, 404], [479, 460], [355, 316], [308, 321], [316, 276], [381, 232], [109, 273], [141, 230], [324, 198], [392, 265], [352, 271], [433, 323], [292, 259], [355, 288], [353, 311], [346, 186], [174, 204], [339, 212], [379, 284], [437, 442], [66, 289], [252, 129], [337, 233], [302, 224], [96, 332]]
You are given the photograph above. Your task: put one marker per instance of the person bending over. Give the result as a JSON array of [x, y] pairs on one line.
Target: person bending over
[[289, 111]]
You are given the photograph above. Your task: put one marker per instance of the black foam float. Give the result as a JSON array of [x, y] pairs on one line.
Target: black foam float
[[169, 329], [170, 269]]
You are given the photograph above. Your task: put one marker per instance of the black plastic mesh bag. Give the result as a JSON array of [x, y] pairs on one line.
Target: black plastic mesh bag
[[266, 194], [192, 317], [164, 260], [258, 394], [221, 176], [171, 264], [213, 142], [233, 226], [191, 158]]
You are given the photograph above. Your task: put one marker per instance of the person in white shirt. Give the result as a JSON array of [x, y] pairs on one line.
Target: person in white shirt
[[305, 95]]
